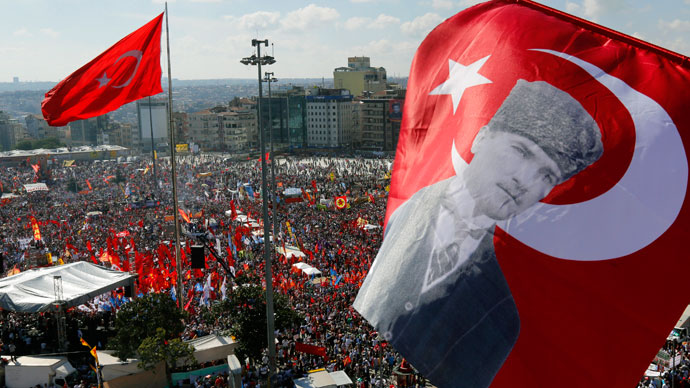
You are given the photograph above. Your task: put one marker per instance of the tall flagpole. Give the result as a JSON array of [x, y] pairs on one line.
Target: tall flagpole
[[178, 265]]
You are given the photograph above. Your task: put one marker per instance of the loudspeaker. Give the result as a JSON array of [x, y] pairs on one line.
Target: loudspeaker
[[198, 259], [128, 291]]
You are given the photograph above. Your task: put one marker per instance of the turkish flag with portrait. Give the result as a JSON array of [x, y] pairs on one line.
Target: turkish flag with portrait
[[127, 71], [599, 270]]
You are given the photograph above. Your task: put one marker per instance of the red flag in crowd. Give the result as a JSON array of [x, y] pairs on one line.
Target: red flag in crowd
[[560, 251], [127, 71], [233, 212], [184, 215], [34, 226], [311, 349]]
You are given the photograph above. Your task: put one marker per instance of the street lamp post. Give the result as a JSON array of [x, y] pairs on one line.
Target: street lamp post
[[258, 60], [269, 78]]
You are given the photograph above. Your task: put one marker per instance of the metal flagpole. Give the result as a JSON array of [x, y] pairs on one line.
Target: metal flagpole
[[274, 192], [267, 232], [178, 265], [153, 152]]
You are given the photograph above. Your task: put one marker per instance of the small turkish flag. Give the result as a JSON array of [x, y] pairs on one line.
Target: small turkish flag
[[127, 71]]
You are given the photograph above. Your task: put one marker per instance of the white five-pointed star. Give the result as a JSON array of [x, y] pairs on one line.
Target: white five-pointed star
[[103, 80], [461, 77]]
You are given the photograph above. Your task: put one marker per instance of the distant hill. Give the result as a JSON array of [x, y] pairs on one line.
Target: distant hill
[[44, 86]]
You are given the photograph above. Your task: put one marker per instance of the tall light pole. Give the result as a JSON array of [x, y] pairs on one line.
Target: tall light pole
[[269, 78], [265, 60]]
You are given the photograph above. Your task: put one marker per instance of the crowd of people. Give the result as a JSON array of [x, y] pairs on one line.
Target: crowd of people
[[120, 215]]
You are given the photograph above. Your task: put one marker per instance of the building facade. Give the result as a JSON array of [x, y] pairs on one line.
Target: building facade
[[11, 132], [332, 119], [152, 117], [359, 77], [285, 113]]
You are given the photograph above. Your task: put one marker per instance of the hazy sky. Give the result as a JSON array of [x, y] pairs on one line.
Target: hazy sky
[[46, 40]]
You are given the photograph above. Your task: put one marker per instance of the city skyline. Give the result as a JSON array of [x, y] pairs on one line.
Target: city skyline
[[47, 40]]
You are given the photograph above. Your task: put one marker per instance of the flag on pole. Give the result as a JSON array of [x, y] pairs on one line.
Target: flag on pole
[[184, 215], [541, 175], [83, 342], [36, 230], [94, 354], [127, 71]]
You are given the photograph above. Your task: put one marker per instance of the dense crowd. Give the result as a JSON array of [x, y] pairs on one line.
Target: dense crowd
[[120, 215]]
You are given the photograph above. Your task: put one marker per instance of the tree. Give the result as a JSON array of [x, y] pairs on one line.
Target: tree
[[158, 348], [243, 315], [140, 319]]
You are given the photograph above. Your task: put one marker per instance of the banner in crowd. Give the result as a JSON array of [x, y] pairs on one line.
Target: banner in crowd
[[31, 187], [540, 178], [311, 349]]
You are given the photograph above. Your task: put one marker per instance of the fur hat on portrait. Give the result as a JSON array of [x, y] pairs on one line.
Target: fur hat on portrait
[[555, 121]]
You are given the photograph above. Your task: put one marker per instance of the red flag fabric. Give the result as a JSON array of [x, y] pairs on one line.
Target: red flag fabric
[[36, 230], [606, 116], [127, 71], [311, 349], [233, 212], [184, 215]]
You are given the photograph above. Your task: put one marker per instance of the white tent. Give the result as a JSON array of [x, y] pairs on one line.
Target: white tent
[[323, 379], [290, 251], [30, 371], [212, 347], [306, 268], [34, 290], [113, 368]]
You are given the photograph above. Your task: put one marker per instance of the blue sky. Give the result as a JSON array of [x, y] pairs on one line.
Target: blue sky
[[46, 40]]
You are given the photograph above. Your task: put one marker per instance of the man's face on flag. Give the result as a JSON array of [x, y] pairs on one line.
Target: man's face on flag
[[508, 174]]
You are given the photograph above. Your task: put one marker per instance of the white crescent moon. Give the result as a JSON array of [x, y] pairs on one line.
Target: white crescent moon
[[633, 213], [135, 54]]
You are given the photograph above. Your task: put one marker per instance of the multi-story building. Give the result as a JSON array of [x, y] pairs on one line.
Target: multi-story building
[[234, 128], [203, 129], [124, 135], [11, 132], [380, 120], [181, 126], [38, 128], [85, 132], [223, 128], [152, 115], [288, 112], [332, 119], [359, 77]]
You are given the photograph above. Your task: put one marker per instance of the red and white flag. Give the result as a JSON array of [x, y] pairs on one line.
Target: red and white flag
[[127, 71], [540, 181]]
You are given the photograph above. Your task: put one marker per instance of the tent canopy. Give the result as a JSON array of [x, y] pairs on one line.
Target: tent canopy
[[211, 348], [33, 291]]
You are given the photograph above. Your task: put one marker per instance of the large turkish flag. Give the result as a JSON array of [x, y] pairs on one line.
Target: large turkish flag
[[598, 270], [127, 71]]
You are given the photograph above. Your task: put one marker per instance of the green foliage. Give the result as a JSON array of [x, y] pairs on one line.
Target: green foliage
[[141, 318], [243, 315], [29, 144], [158, 348]]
